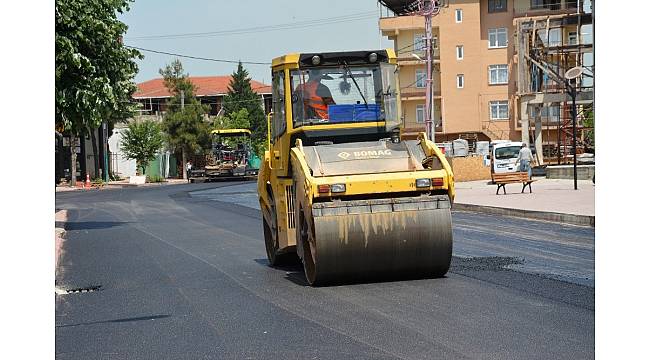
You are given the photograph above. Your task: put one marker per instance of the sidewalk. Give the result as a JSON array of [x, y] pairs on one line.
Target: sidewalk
[[551, 200], [120, 183]]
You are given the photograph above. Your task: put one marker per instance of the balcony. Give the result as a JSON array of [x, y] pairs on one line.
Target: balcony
[[528, 8], [407, 59], [391, 26], [409, 94]]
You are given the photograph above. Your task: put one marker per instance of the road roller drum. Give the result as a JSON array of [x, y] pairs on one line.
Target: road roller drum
[[383, 238]]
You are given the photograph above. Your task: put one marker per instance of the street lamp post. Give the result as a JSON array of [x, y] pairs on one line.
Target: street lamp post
[[574, 115], [568, 76]]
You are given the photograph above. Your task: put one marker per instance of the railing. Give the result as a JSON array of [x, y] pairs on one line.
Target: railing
[[547, 6]]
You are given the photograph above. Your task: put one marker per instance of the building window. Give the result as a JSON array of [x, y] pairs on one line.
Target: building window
[[497, 38], [419, 42], [459, 52], [459, 15], [546, 4], [547, 113], [553, 38], [420, 78], [419, 114], [536, 4], [460, 81], [498, 74], [497, 5], [573, 38], [499, 110]]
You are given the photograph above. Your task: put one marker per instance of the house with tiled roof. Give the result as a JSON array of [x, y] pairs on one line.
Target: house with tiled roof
[[153, 96], [210, 90]]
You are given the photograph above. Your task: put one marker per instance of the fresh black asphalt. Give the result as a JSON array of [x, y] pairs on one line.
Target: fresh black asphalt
[[182, 277]]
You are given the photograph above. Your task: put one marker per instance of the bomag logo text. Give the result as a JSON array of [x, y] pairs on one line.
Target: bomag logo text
[[370, 153]]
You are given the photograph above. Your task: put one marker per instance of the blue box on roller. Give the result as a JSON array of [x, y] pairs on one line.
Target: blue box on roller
[[353, 113], [340, 113], [366, 113]]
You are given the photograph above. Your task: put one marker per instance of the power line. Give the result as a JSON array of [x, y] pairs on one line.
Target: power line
[[285, 26], [197, 57]]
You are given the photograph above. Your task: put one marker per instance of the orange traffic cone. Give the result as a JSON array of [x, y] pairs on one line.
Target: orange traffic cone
[[87, 185]]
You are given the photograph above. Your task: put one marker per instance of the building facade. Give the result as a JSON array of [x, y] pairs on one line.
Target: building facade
[[477, 94]]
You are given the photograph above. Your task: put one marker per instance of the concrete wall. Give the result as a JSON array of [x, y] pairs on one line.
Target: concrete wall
[[585, 172], [125, 167], [469, 168]]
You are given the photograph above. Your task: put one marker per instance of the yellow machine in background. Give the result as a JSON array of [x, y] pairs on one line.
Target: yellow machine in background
[[231, 156], [339, 187]]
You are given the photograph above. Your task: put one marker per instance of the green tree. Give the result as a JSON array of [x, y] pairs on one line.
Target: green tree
[[237, 120], [93, 70], [141, 142], [184, 121], [241, 96]]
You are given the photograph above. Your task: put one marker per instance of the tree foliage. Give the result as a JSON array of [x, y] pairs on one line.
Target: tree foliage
[[93, 69], [242, 96], [185, 127], [237, 120], [186, 130], [141, 142]]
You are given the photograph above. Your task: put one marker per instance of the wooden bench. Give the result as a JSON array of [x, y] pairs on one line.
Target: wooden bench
[[508, 178]]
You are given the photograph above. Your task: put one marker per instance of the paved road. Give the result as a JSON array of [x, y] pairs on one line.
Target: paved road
[[183, 274]]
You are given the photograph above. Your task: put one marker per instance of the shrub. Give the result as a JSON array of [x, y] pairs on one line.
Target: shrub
[[155, 179]]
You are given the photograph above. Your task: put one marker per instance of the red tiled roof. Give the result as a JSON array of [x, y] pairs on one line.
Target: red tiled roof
[[205, 86]]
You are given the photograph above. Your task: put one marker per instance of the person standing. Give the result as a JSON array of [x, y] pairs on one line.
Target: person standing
[[189, 170], [524, 159]]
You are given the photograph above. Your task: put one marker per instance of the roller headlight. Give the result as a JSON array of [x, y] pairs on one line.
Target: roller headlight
[[337, 188], [422, 183]]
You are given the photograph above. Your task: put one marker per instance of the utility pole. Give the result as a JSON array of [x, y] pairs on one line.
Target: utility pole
[[429, 8], [184, 153], [105, 145], [429, 119]]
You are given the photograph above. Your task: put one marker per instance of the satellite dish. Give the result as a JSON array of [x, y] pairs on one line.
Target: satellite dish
[[573, 72]]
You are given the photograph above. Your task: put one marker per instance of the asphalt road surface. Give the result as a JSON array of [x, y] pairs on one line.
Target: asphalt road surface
[[180, 272]]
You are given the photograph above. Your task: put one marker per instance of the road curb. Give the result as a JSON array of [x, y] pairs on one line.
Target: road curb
[[571, 219], [60, 218]]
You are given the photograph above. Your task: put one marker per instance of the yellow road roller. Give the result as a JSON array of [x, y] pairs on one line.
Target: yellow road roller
[[341, 186]]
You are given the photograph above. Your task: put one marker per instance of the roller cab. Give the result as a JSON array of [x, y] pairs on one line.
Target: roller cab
[[338, 187]]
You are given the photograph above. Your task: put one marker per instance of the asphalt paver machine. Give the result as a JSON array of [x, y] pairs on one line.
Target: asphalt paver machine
[[340, 186], [231, 156]]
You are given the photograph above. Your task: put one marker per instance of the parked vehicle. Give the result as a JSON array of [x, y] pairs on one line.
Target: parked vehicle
[[503, 157]]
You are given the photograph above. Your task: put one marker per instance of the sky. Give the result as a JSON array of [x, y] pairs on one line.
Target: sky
[[338, 25]]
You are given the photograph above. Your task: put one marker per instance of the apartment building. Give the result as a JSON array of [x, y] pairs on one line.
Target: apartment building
[[476, 94]]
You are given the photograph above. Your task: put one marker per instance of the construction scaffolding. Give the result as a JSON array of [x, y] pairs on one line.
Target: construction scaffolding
[[547, 47]]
